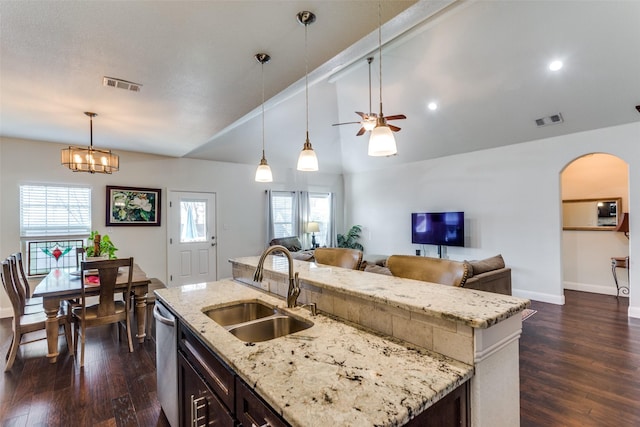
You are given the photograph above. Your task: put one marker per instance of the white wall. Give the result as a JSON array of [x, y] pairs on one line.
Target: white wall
[[240, 200], [511, 198]]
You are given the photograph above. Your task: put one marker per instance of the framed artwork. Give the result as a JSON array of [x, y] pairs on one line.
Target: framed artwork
[[133, 206]]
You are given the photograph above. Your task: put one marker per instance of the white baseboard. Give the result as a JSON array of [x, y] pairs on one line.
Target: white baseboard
[[596, 289], [537, 296], [634, 312]]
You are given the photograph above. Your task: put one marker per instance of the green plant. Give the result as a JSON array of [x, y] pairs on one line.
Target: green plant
[[350, 240], [106, 246]]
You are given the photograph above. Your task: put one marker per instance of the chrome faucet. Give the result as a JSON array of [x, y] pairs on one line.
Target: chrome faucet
[[294, 283]]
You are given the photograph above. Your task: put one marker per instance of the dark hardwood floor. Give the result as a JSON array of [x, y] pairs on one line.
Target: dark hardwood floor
[[580, 363], [579, 366], [115, 387]]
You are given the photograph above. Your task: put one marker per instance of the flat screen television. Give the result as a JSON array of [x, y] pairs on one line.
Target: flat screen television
[[438, 228]]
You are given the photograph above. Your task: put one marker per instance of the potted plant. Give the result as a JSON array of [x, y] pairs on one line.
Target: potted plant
[[99, 247], [349, 240]]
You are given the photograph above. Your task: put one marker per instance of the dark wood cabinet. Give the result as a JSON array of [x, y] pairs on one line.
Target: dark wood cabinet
[[199, 404], [215, 372], [450, 411], [211, 394], [252, 411]]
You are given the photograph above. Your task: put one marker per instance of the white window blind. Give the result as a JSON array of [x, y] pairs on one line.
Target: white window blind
[[283, 213], [48, 210], [320, 212]]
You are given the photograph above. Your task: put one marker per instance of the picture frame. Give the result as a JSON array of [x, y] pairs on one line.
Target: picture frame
[[133, 206]]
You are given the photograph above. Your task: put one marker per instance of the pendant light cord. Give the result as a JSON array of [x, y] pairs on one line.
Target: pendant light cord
[[380, 49], [306, 75], [262, 74], [369, 62]]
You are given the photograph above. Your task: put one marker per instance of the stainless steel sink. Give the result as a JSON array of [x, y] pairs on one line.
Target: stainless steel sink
[[269, 328], [240, 313], [255, 321]]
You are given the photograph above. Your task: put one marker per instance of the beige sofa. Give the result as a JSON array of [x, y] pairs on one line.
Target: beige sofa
[[490, 275]]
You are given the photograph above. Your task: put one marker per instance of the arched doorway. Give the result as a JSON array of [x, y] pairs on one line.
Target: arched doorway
[[587, 252]]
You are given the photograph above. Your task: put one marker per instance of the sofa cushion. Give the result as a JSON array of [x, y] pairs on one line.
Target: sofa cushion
[[373, 268], [302, 255], [482, 266], [380, 260], [292, 243]]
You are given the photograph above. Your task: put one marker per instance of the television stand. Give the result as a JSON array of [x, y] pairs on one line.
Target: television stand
[[442, 251]]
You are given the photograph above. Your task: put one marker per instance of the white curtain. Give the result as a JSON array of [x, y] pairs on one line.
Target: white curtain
[[269, 219], [332, 239], [303, 219]]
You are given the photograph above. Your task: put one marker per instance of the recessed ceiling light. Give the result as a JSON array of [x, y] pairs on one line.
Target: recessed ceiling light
[[432, 106], [555, 65]]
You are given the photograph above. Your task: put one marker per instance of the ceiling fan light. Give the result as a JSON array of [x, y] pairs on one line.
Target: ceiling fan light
[[382, 142], [263, 173], [307, 161], [369, 124]]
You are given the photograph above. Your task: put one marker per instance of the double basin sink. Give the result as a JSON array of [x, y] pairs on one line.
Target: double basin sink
[[255, 321]]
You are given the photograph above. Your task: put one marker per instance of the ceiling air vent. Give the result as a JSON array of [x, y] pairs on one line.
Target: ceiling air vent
[[121, 84], [550, 120]]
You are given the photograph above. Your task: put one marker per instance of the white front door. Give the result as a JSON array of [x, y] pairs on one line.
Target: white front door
[[192, 238]]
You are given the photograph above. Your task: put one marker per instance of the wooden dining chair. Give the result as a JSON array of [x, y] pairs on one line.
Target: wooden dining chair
[[29, 305], [23, 276], [108, 310], [75, 302], [80, 251], [23, 324]]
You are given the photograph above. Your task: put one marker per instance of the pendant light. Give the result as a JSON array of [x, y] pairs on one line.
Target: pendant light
[[382, 141], [307, 161], [89, 159], [263, 173]]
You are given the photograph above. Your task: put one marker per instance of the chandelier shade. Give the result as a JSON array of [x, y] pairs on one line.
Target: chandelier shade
[[89, 159], [382, 142], [307, 161], [263, 173]]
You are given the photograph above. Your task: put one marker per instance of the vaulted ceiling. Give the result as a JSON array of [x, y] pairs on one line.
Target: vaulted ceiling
[[485, 64]]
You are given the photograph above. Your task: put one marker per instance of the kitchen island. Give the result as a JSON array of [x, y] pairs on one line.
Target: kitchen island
[[330, 374], [382, 350], [478, 328]]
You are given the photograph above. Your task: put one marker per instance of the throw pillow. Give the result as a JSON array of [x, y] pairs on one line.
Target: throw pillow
[[469, 269], [489, 264]]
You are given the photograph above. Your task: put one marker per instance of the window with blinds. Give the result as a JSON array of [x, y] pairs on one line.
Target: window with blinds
[[283, 213], [48, 210], [320, 212]]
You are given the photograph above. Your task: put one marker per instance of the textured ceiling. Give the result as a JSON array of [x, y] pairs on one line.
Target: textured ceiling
[[483, 62]]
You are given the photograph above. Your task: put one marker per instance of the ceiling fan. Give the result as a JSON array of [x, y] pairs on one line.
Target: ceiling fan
[[369, 120]]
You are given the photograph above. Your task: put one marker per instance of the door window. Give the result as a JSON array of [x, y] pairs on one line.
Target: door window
[[193, 221]]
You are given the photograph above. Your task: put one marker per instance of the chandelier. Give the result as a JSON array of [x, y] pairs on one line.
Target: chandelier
[[89, 159]]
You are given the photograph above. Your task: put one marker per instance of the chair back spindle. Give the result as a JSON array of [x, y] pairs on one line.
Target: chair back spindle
[[10, 289]]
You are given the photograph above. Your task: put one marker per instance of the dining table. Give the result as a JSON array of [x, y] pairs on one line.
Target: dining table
[[62, 284]]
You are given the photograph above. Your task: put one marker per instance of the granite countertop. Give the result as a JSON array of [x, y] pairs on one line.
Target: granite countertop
[[330, 374], [473, 308]]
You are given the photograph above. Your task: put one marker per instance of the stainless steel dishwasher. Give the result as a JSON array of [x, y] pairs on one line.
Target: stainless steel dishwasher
[[167, 361]]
